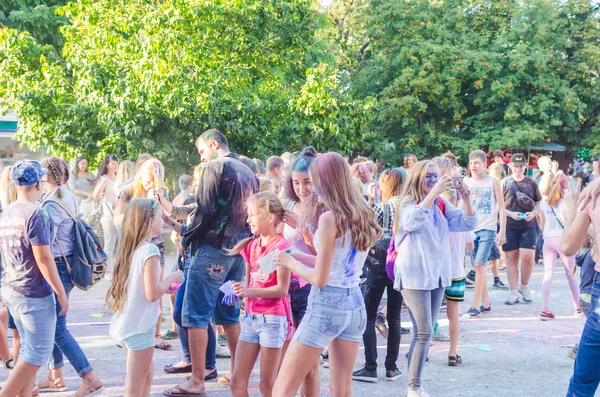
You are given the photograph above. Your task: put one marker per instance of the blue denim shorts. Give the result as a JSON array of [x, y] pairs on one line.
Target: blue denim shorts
[[483, 246], [266, 330], [141, 341], [333, 313], [209, 270], [35, 319]]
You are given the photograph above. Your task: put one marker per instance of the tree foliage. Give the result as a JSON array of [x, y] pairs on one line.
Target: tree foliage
[[463, 74], [37, 17], [144, 76]]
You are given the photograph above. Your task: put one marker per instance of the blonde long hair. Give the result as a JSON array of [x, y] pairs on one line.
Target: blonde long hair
[[136, 226], [153, 167], [413, 191], [125, 171], [555, 192], [267, 202], [332, 179]]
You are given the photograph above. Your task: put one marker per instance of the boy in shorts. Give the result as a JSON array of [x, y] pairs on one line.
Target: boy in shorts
[[30, 277], [488, 202]]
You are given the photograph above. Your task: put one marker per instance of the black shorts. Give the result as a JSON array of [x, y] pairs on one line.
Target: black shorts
[[299, 301], [520, 238]]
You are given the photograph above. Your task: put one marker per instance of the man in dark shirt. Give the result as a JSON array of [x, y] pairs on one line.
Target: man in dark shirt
[[218, 225], [521, 228]]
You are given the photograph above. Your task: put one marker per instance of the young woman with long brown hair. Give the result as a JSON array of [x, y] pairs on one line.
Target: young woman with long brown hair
[[336, 315]]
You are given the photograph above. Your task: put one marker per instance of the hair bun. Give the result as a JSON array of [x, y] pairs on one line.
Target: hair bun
[[308, 151]]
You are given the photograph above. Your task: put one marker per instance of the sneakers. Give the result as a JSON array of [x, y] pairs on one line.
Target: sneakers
[[392, 374], [364, 375], [525, 294], [325, 357], [499, 285], [223, 351], [469, 285], [473, 312], [471, 276], [417, 393], [513, 298], [440, 336], [381, 325], [546, 315], [485, 310], [572, 353], [404, 331]]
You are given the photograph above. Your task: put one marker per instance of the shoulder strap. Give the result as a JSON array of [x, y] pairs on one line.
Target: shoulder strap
[[441, 205], [63, 206], [557, 218]]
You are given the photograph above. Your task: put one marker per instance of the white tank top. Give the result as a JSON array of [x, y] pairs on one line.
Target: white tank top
[[552, 227], [484, 202], [347, 265]]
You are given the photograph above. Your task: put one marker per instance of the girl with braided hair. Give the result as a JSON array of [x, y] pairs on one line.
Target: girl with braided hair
[[56, 197]]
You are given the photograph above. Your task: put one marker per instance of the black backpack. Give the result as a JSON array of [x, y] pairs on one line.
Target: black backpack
[[377, 256], [89, 259]]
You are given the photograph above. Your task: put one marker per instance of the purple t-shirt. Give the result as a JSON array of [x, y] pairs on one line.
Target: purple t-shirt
[[23, 226]]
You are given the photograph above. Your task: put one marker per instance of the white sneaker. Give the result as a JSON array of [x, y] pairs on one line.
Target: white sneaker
[[326, 363], [417, 393], [525, 295], [223, 351], [513, 298]]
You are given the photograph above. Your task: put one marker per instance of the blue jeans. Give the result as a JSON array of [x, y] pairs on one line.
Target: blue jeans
[[211, 347], [423, 308], [484, 243], [64, 343], [586, 376], [209, 270]]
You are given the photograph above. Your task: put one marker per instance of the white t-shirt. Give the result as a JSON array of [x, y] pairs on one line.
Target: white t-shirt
[[484, 202], [552, 227], [457, 241], [138, 315]]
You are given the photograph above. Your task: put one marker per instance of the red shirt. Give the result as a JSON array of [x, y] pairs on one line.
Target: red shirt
[[251, 254]]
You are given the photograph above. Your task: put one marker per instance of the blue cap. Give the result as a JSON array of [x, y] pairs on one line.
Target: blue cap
[[27, 172]]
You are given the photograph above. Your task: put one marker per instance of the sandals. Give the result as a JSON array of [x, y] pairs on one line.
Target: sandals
[[49, 386], [178, 391], [453, 361], [94, 389], [162, 345], [170, 335], [224, 380]]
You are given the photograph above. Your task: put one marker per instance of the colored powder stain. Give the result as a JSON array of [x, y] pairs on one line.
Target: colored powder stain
[[222, 202], [349, 263]]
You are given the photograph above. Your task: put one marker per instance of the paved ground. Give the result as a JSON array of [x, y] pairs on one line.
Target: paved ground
[[507, 353]]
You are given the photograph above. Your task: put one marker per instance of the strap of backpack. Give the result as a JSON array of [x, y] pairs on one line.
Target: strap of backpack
[[63, 254], [63, 206]]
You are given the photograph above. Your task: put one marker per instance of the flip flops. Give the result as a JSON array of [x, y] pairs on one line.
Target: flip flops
[[178, 391]]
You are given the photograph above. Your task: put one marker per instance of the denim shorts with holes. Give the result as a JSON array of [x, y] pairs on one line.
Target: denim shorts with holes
[[333, 313]]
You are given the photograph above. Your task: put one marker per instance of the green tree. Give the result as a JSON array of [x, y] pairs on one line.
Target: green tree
[[141, 76], [463, 74], [39, 18]]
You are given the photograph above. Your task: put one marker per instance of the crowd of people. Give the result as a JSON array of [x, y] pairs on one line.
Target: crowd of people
[[287, 260]]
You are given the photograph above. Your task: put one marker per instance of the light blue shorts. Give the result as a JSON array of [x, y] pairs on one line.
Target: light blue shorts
[[140, 341], [35, 319], [333, 313], [266, 330], [484, 242]]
